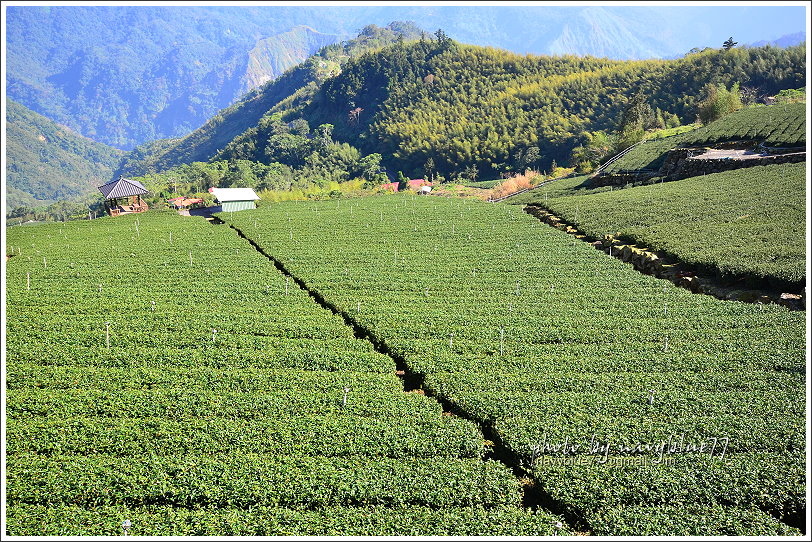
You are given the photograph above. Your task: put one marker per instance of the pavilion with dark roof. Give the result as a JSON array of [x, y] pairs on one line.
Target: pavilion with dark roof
[[123, 196]]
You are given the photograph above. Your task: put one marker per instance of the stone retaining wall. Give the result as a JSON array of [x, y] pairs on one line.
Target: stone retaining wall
[[680, 165], [621, 179], [666, 266]]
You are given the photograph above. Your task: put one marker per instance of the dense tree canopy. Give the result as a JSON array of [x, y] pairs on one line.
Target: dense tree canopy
[[485, 108], [435, 107]]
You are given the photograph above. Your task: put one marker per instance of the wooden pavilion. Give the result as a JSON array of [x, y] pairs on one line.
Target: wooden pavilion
[[123, 196]]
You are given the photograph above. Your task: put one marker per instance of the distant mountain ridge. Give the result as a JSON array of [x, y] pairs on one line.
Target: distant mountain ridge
[[270, 57], [599, 32], [787, 40], [126, 75]]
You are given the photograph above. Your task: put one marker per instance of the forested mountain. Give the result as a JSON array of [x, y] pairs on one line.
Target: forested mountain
[[462, 108], [46, 162], [465, 106], [293, 89], [126, 75]]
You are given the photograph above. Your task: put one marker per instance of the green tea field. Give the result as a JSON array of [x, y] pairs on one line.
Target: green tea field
[[548, 344], [746, 222], [161, 372], [774, 126], [406, 270], [393, 365]]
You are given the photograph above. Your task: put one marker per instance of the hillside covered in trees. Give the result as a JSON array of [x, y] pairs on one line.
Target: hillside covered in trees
[[290, 91], [46, 162], [436, 107], [123, 75]]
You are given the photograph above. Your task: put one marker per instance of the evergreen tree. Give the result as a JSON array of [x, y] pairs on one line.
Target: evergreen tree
[[532, 156], [471, 172], [300, 127], [403, 182], [443, 41], [428, 168], [637, 118]]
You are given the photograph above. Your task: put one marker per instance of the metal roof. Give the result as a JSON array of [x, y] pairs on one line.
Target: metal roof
[[122, 188], [183, 202], [234, 194]]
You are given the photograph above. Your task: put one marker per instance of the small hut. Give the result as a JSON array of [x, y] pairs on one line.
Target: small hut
[[182, 202], [123, 196], [235, 199], [416, 184]]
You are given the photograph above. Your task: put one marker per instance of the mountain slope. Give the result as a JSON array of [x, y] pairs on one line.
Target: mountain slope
[[125, 75], [600, 32], [270, 57], [467, 107], [295, 87], [48, 162]]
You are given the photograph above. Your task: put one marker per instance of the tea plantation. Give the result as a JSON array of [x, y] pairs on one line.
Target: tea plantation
[[629, 401], [774, 126], [451, 367], [745, 222], [162, 373]]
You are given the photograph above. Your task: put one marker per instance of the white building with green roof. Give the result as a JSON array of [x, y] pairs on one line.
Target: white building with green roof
[[235, 199]]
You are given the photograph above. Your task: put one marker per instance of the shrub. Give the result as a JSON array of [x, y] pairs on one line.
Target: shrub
[[514, 184], [718, 102]]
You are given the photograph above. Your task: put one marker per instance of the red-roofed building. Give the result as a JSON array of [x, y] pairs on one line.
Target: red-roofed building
[[414, 184], [390, 186], [182, 202]]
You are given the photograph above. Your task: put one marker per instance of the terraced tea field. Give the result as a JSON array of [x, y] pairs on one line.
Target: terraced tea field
[[775, 126], [545, 341], [161, 372], [632, 404], [746, 222]]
